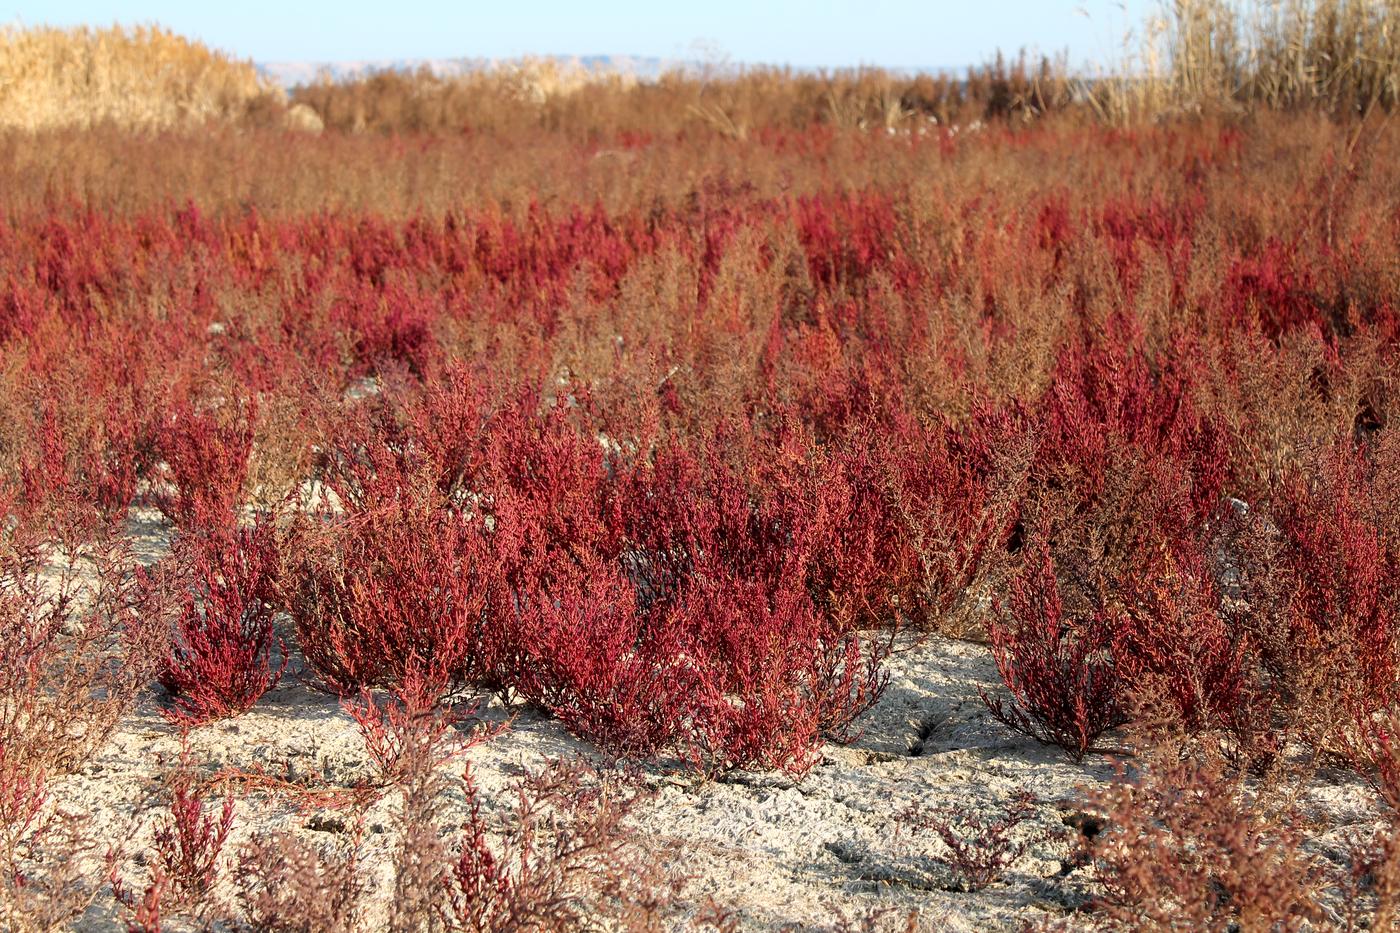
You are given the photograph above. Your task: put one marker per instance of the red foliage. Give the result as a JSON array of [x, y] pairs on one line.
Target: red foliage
[[44, 475], [726, 564], [184, 859], [1064, 687], [220, 658], [1268, 291], [409, 730], [207, 456], [188, 843], [1111, 409], [588, 653], [398, 591], [947, 502], [1338, 549], [1175, 645], [71, 472], [700, 638], [712, 436], [23, 796]]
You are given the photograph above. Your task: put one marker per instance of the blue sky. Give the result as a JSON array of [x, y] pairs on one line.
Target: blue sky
[[803, 33]]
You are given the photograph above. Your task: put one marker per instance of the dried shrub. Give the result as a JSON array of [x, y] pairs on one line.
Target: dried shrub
[[567, 857], [77, 648], [47, 855], [1373, 746], [1182, 845], [980, 845], [281, 455], [1370, 880], [287, 885], [561, 857], [78, 645], [420, 857], [142, 77], [409, 732]]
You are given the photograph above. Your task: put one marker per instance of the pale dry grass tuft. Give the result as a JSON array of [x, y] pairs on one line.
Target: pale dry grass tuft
[[1235, 56], [144, 77]]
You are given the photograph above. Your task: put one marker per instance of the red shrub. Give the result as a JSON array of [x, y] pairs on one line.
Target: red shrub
[[1180, 654], [720, 501], [1124, 463], [548, 488], [588, 653], [1338, 551], [701, 639], [942, 502], [1064, 687], [1272, 291], [206, 453], [775, 679], [184, 860], [44, 476], [189, 842], [389, 325], [406, 434], [724, 571], [1110, 401], [847, 238], [220, 659], [73, 472], [398, 591], [121, 458], [1167, 226]]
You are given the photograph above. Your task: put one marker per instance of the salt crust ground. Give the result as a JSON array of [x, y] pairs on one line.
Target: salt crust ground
[[786, 855]]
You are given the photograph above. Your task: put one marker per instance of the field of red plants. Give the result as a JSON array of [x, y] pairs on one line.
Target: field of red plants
[[680, 441]]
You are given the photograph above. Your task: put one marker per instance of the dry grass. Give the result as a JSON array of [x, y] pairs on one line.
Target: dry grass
[[1192, 56], [146, 77], [1340, 56], [561, 96]]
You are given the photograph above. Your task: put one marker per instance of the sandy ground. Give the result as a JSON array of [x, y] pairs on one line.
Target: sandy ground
[[783, 854]]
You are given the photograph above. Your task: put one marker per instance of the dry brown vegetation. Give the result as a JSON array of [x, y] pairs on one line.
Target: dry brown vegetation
[[145, 78], [1193, 56]]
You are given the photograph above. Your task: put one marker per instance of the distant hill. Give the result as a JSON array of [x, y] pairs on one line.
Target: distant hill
[[291, 74]]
